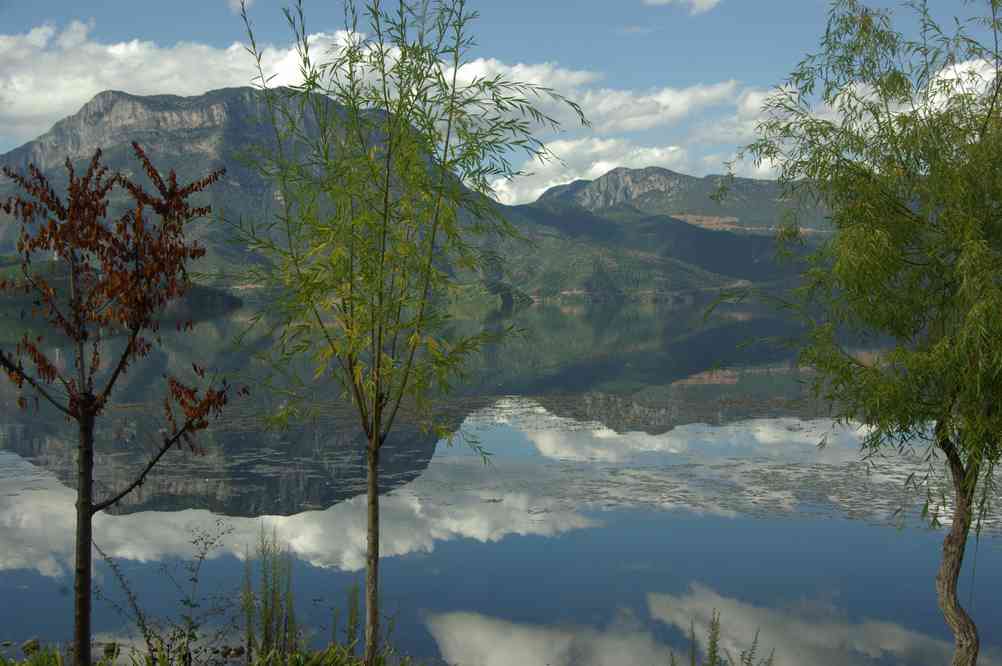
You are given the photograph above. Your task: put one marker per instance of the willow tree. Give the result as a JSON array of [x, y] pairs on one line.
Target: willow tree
[[900, 139], [386, 158]]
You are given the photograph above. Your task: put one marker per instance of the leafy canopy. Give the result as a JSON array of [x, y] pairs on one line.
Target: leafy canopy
[[387, 156], [899, 138]]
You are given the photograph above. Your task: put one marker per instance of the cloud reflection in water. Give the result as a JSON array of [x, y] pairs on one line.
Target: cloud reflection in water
[[37, 518], [824, 637]]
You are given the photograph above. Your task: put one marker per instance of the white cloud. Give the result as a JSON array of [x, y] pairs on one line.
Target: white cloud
[[540, 74], [738, 127], [695, 6], [611, 110], [772, 468], [587, 158], [608, 109], [785, 438], [636, 30], [71, 67], [235, 5], [47, 74]]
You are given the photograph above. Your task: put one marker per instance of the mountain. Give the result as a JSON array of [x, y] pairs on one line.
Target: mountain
[[192, 135], [635, 234], [750, 205]]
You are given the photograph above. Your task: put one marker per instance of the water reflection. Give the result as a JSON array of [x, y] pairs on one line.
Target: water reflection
[[756, 468], [563, 438], [37, 517], [237, 471], [473, 639], [816, 634], [614, 451]]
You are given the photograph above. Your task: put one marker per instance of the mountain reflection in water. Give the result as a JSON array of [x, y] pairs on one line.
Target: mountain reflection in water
[[758, 467], [631, 491]]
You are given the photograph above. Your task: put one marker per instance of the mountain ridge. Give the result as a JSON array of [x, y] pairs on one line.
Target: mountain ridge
[[753, 204], [587, 236]]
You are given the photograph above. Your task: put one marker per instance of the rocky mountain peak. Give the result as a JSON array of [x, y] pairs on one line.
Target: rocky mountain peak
[[113, 117], [621, 185]]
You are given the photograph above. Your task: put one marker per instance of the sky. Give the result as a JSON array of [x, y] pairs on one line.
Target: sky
[[671, 83]]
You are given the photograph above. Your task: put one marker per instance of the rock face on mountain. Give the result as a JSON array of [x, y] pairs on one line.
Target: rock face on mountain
[[623, 186], [633, 233], [750, 203], [191, 135], [160, 123]]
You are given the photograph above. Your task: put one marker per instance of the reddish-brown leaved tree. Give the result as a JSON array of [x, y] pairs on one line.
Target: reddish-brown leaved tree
[[117, 279]]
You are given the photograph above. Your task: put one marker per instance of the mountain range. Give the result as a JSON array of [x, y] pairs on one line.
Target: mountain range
[[631, 234]]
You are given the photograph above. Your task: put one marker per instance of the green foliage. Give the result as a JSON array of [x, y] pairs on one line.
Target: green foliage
[[270, 632], [900, 140], [380, 206], [191, 637], [382, 210], [715, 654], [271, 608]]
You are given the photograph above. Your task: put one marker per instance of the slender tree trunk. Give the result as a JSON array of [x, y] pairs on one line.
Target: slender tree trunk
[[965, 633], [372, 556], [82, 569]]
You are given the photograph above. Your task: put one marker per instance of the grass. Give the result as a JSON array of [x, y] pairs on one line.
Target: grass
[[716, 655], [291, 653], [334, 655]]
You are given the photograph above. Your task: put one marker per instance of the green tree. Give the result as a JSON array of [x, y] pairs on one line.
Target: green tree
[[398, 157], [899, 139]]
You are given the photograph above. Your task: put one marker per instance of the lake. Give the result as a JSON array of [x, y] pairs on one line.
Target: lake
[[632, 492]]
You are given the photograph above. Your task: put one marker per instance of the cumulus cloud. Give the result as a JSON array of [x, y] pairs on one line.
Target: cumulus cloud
[[784, 438], [541, 74], [695, 6], [48, 73], [609, 110], [612, 110], [71, 68]]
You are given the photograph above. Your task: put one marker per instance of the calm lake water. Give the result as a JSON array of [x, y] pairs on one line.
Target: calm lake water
[[630, 493]]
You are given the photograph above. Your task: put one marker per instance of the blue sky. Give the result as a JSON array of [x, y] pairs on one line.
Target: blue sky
[[672, 83]]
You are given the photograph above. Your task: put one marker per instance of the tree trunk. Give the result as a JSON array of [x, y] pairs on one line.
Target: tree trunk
[[965, 633], [82, 569], [372, 557]]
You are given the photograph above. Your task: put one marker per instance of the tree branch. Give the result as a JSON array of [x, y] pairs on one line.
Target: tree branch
[[138, 481], [10, 367], [134, 333]]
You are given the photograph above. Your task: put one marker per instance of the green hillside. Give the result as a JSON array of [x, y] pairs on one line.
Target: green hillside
[[584, 241]]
